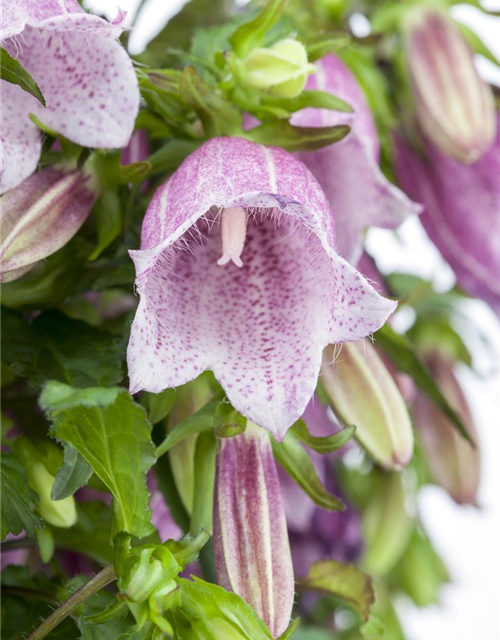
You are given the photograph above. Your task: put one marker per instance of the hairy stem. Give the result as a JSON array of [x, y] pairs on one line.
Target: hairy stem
[[96, 583]]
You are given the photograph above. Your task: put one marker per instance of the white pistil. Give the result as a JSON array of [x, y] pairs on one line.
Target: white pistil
[[234, 228]]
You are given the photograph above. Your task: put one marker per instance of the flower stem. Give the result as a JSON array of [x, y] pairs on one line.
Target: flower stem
[[96, 583]]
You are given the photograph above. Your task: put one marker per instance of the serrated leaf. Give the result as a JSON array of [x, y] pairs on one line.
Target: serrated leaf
[[113, 434], [57, 347], [403, 355], [325, 444], [74, 474], [18, 499], [11, 70], [343, 581], [282, 134], [251, 34], [295, 461]]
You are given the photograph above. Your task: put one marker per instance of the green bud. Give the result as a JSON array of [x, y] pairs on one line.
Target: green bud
[[59, 513], [282, 69], [149, 570]]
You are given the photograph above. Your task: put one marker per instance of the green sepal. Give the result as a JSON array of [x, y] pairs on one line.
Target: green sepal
[[45, 543], [325, 444], [187, 549], [158, 405], [114, 610], [290, 630], [331, 44], [227, 421], [204, 482], [11, 70], [250, 35], [295, 461], [285, 135]]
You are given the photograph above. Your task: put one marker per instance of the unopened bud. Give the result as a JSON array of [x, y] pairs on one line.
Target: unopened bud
[[363, 393], [40, 216], [282, 69], [149, 570], [455, 108], [454, 462], [252, 551]]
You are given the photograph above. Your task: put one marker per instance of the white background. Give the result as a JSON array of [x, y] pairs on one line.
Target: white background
[[467, 538]]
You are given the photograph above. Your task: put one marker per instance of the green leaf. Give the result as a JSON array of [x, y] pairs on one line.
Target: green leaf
[[187, 549], [201, 421], [113, 434], [11, 70], [402, 353], [331, 44], [295, 461], [250, 35], [204, 481], [282, 134], [74, 473], [108, 218], [477, 44], [343, 581], [312, 98], [110, 172], [168, 157], [291, 629], [325, 444], [158, 405], [18, 499], [218, 116], [227, 421], [57, 347], [107, 629]]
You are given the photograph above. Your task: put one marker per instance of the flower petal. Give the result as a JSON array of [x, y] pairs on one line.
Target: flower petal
[[260, 328], [21, 142], [462, 212], [15, 16], [348, 171]]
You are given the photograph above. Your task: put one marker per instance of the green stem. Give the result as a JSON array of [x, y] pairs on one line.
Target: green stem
[[94, 585]]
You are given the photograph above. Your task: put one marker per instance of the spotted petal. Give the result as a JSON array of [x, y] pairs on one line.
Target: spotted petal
[[359, 194], [260, 328]]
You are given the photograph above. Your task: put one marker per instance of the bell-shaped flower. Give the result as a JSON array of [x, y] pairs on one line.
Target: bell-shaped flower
[[453, 462], [252, 552], [85, 75], [358, 192], [462, 212], [363, 393], [455, 108], [39, 217], [238, 274]]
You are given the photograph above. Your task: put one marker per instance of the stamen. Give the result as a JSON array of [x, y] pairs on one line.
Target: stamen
[[234, 227]]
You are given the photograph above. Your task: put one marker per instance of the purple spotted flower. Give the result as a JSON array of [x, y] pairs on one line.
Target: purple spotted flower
[[252, 552], [85, 75], [359, 194], [238, 273], [462, 212]]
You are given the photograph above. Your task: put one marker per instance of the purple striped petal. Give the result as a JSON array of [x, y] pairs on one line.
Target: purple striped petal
[[462, 212], [252, 553], [260, 328], [85, 75], [40, 216], [359, 194]]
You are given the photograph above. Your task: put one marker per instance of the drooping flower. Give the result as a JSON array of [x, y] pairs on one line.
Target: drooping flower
[[454, 462], [40, 215], [455, 108], [359, 194], [462, 212], [252, 552], [86, 77], [261, 327]]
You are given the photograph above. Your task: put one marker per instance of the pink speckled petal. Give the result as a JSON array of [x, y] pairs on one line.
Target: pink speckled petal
[[87, 79], [462, 212], [261, 328], [21, 142], [348, 171]]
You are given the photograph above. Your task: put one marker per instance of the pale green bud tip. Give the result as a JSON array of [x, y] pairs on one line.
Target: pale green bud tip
[[59, 513], [281, 70]]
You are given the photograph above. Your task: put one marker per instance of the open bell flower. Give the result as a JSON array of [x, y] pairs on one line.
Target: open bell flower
[[454, 462], [252, 552], [40, 215], [348, 172], [462, 212], [238, 274], [455, 108], [85, 75]]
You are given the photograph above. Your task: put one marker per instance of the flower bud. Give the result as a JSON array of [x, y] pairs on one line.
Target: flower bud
[[59, 513], [252, 552], [149, 570], [39, 217], [453, 462], [281, 69], [454, 107], [363, 393]]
